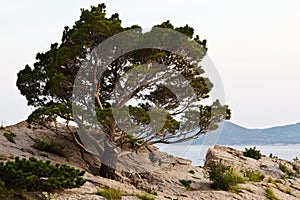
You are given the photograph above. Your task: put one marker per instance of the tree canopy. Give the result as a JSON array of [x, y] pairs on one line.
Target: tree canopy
[[48, 85]]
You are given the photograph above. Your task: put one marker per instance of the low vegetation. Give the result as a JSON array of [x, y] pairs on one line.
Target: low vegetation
[[285, 169], [186, 184], [287, 191], [21, 176], [252, 153], [270, 194], [10, 137], [151, 191], [270, 180], [54, 148], [145, 196], [223, 177], [255, 176], [110, 194]]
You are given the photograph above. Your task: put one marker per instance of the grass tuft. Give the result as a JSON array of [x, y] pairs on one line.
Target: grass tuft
[[223, 177], [145, 196], [10, 137], [270, 194], [254, 176], [44, 146], [110, 194]]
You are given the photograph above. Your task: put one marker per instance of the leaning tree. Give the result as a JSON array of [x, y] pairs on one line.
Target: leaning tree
[[135, 96]]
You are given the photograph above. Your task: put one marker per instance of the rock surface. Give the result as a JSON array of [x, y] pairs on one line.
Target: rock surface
[[165, 181]]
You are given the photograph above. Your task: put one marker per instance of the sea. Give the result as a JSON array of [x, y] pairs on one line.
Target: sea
[[196, 153]]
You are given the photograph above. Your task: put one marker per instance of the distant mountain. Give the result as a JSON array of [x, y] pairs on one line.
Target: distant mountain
[[232, 134]]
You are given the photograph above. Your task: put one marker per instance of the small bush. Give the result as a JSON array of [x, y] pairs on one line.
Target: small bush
[[223, 177], [33, 175], [150, 191], [54, 148], [270, 180], [285, 169], [288, 191], [255, 176], [145, 196], [271, 155], [10, 137], [192, 171], [252, 153], [296, 168], [186, 184], [110, 194], [270, 194]]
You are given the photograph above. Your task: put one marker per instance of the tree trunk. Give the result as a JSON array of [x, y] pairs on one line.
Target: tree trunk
[[108, 160]]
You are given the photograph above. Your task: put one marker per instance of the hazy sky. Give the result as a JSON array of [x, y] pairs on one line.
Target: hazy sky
[[255, 46]]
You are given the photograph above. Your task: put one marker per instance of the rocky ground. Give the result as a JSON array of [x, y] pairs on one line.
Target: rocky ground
[[165, 181]]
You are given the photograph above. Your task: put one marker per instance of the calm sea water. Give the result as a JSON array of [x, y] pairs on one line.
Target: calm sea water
[[197, 153]]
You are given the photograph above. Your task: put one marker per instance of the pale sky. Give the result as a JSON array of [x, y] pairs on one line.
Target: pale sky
[[255, 46]]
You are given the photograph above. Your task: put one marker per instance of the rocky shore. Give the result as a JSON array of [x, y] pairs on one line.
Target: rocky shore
[[164, 183]]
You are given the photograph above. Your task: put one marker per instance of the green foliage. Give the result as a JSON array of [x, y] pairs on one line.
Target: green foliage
[[270, 194], [145, 196], [255, 176], [223, 177], [192, 171], [288, 191], [271, 155], [186, 184], [150, 191], [270, 180], [54, 148], [34, 175], [110, 194], [10, 137], [296, 168], [285, 169], [48, 85], [252, 153], [134, 141]]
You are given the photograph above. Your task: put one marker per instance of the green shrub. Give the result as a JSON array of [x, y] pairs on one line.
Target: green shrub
[[270, 194], [223, 177], [296, 168], [150, 191], [255, 176], [54, 148], [285, 169], [110, 194], [252, 153], [270, 180], [192, 171], [145, 196], [34, 175], [10, 136], [134, 141], [288, 191], [186, 184]]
